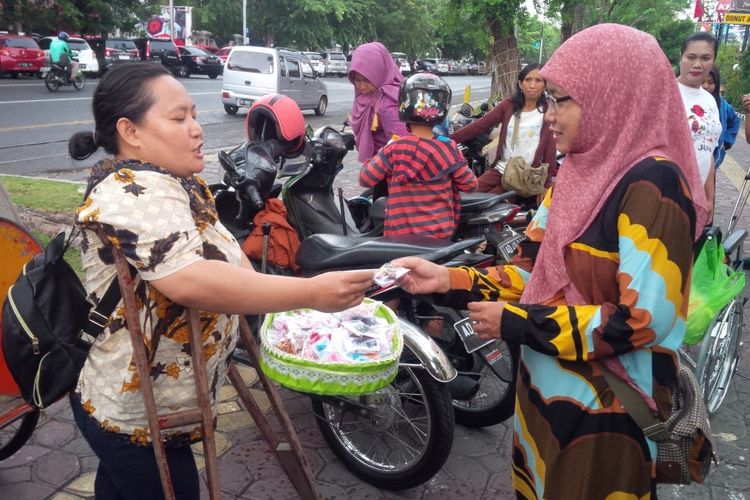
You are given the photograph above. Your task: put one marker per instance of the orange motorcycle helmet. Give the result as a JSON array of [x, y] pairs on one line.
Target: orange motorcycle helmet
[[277, 117]]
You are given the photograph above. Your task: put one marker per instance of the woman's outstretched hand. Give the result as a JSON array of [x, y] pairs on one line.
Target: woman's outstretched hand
[[336, 291], [486, 318], [423, 276]]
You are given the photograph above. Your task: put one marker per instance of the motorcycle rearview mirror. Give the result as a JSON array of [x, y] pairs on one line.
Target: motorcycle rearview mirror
[[466, 109], [309, 131], [228, 164]]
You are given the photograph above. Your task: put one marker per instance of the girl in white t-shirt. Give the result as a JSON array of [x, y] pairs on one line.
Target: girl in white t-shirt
[[698, 55]]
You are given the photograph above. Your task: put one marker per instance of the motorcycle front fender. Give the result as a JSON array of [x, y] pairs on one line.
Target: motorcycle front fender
[[430, 356]]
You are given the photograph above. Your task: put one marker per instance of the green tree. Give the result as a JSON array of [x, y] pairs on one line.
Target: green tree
[[530, 39], [670, 37], [78, 16], [646, 15], [728, 63], [500, 17]]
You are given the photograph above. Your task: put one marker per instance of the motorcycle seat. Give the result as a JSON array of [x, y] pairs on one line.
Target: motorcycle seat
[[475, 202], [328, 252]]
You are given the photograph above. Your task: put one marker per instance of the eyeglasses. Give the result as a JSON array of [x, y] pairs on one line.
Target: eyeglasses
[[553, 101]]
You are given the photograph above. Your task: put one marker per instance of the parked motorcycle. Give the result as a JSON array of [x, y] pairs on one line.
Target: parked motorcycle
[[482, 394], [57, 77]]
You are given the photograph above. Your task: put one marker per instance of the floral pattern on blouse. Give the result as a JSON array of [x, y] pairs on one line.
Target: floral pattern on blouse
[[161, 224]]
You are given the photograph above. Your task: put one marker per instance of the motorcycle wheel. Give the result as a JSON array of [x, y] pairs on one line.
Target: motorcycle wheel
[[14, 435], [79, 83], [51, 82], [495, 400], [408, 440]]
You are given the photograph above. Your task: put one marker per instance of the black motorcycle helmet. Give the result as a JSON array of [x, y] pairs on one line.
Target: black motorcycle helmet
[[424, 98]]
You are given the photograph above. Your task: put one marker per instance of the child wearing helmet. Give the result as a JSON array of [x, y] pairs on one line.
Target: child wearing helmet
[[425, 173], [60, 54]]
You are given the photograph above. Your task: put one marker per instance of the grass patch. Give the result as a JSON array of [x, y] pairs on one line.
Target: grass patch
[[42, 194], [72, 256]]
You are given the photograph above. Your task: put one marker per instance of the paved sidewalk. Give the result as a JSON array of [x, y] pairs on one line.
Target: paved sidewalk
[[58, 464]]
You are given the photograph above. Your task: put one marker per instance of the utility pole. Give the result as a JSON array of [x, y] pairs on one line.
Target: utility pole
[[171, 19], [244, 22]]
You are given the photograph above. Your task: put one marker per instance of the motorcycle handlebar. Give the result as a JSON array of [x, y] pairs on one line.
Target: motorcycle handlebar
[[251, 193]]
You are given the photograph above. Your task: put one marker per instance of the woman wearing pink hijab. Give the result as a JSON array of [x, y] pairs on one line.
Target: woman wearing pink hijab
[[605, 276], [374, 116]]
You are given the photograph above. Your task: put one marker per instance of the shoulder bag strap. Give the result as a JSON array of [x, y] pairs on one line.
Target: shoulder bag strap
[[651, 426], [514, 138], [99, 315]]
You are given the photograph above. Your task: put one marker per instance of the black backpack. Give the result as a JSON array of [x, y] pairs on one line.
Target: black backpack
[[48, 325]]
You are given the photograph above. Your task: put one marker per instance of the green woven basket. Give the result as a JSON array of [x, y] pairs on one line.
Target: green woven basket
[[328, 378]]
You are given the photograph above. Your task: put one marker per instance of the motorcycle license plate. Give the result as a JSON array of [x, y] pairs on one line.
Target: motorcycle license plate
[[44, 70], [509, 241], [245, 102], [469, 337]]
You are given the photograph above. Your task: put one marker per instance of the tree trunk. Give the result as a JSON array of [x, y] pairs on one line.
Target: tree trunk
[[505, 61], [574, 16]]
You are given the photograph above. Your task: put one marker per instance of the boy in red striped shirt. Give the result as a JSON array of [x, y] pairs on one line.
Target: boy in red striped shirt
[[424, 172]]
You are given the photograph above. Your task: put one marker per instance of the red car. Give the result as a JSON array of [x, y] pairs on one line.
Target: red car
[[20, 54], [223, 53]]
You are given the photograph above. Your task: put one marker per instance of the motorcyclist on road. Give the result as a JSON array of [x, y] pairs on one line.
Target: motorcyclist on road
[[60, 53]]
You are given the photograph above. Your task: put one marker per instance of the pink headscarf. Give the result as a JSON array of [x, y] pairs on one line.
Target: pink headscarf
[[372, 61], [631, 109]]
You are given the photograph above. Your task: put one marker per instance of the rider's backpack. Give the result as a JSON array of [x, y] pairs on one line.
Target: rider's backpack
[[48, 325]]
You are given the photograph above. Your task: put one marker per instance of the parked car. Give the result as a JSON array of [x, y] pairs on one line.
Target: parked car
[[482, 68], [20, 54], [81, 50], [211, 49], [402, 61], [442, 67], [317, 62], [253, 72], [223, 53], [110, 51], [335, 63], [428, 65], [160, 50], [198, 61]]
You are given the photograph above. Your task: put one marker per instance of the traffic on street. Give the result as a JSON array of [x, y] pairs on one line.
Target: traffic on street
[[35, 125]]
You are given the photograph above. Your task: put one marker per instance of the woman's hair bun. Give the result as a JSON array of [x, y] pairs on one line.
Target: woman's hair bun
[[82, 145]]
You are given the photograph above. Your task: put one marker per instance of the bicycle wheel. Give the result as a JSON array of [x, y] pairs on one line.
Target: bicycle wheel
[[16, 426], [719, 354]]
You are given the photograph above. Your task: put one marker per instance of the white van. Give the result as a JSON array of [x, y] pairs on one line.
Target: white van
[[252, 72], [335, 64]]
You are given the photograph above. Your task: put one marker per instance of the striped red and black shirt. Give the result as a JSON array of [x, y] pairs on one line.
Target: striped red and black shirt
[[424, 179]]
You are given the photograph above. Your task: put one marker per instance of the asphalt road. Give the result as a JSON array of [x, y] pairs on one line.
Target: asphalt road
[[35, 124]]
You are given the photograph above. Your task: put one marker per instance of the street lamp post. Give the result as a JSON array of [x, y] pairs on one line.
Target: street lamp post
[[171, 19], [244, 22]]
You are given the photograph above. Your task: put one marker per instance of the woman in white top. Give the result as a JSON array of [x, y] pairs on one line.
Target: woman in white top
[[535, 142], [697, 57]]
